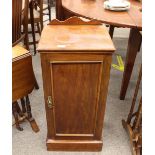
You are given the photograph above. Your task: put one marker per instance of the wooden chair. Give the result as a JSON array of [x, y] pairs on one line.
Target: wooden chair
[[19, 19], [35, 18], [23, 82], [133, 124]]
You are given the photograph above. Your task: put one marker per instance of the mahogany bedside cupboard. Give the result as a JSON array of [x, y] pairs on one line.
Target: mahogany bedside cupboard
[[76, 61]]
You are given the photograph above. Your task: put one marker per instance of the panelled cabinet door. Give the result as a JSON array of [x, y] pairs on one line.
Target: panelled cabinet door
[[75, 111]]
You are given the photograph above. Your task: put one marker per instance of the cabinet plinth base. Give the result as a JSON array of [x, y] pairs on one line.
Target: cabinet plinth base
[[72, 145]]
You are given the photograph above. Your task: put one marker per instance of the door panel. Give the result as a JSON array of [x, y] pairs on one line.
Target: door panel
[[75, 93]]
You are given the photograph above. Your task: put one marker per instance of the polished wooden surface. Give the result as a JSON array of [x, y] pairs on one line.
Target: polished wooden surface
[[78, 38], [136, 13], [76, 79], [94, 9]]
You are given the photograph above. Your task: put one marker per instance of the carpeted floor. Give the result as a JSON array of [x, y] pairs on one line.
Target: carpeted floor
[[115, 139]]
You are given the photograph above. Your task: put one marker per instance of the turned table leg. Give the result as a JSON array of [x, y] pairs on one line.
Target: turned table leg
[[23, 105], [133, 47], [15, 114], [59, 10], [111, 30], [29, 116], [19, 111]]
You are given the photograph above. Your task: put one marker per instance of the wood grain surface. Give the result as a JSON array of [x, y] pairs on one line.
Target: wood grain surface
[[93, 9]]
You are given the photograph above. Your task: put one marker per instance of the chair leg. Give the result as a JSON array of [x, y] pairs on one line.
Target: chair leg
[[26, 38], [15, 114], [26, 43], [29, 116], [32, 27], [38, 27], [49, 10], [41, 22]]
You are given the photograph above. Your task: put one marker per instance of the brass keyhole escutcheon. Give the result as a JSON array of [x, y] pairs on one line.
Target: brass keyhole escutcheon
[[49, 102]]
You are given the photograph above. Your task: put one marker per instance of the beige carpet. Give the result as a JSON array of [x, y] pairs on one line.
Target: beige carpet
[[115, 139]]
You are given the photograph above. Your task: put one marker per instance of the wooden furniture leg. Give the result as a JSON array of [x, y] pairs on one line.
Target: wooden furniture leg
[[32, 26], [41, 24], [19, 111], [133, 47], [23, 105], [26, 42], [135, 131], [111, 30], [26, 39], [133, 124], [29, 116], [135, 96], [15, 114], [36, 84], [25, 27], [138, 116], [38, 27], [59, 10], [49, 10]]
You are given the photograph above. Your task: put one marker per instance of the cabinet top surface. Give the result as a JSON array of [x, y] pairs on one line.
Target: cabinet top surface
[[75, 38]]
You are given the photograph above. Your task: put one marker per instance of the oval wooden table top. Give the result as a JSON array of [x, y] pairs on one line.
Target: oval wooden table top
[[94, 9]]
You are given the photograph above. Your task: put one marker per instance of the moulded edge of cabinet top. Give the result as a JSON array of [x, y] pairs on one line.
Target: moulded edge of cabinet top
[[75, 38]]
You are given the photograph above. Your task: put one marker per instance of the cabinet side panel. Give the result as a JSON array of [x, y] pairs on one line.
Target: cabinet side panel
[[103, 97]]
